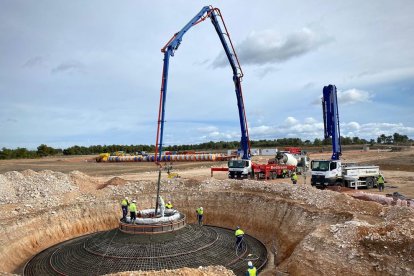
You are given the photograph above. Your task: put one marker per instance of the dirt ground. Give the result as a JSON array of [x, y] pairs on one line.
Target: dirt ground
[[314, 231], [397, 167], [88, 165]]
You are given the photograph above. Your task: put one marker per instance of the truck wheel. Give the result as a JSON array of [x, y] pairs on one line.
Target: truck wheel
[[370, 182]]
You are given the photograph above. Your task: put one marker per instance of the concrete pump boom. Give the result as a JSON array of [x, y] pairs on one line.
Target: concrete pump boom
[[172, 45], [331, 119], [169, 49]]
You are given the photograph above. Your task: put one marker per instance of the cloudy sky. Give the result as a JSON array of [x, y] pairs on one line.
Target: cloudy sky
[[89, 72]]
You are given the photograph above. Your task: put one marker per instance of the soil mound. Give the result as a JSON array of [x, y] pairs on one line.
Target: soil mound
[[115, 181]]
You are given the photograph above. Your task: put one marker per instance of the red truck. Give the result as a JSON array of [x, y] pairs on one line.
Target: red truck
[[272, 171]]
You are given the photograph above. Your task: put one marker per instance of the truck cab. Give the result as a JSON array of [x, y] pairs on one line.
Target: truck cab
[[240, 168], [325, 172]]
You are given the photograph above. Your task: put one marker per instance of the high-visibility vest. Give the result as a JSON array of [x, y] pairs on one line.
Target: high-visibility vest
[[200, 211], [169, 206], [239, 232], [294, 177], [124, 202], [252, 271], [380, 180], [132, 207]]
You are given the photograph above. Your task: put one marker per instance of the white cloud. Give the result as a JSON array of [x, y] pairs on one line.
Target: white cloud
[[220, 136], [353, 126], [260, 130], [268, 46], [310, 120], [373, 130], [291, 121], [207, 129], [310, 129], [352, 96], [290, 128], [384, 75]]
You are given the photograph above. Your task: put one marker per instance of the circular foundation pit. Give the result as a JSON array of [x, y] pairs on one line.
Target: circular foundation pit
[[149, 244]]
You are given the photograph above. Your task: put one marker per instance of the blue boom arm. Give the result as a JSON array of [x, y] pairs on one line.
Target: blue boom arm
[[169, 49], [331, 119]]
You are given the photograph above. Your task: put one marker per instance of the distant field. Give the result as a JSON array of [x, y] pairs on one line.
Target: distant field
[[87, 164]]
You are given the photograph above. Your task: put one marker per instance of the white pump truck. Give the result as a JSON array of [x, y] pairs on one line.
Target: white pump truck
[[333, 172]]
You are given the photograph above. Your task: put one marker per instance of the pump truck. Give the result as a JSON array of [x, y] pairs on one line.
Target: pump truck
[[169, 49], [333, 172]]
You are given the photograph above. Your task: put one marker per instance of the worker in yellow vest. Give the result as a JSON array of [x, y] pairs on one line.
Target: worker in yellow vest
[[294, 178], [124, 206], [251, 270], [380, 182], [200, 215], [133, 211], [169, 205], [239, 237]]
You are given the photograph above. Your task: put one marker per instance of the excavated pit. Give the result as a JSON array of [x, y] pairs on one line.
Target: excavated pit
[[146, 244], [305, 231], [273, 221], [115, 251]]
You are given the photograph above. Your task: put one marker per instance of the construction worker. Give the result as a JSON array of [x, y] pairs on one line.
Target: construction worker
[[161, 205], [251, 270], [380, 181], [284, 173], [124, 206], [133, 211], [294, 178], [239, 237], [200, 215], [169, 205]]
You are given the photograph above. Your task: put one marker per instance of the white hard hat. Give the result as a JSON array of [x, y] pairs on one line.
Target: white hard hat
[[249, 263], [134, 201], [201, 208], [169, 202], [126, 198]]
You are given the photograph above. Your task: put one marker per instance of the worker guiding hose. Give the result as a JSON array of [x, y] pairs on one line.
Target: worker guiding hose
[[124, 206], [240, 247], [200, 215]]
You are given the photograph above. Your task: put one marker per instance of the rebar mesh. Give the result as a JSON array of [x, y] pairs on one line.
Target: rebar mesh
[[115, 251]]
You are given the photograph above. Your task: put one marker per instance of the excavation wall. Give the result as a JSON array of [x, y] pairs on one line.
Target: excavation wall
[[311, 232]]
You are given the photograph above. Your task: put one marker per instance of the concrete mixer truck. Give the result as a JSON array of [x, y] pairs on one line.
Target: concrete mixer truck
[[283, 165]]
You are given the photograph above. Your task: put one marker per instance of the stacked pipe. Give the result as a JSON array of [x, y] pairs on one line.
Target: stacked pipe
[[166, 158]]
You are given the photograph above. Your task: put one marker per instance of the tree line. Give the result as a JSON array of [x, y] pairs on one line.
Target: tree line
[[44, 150]]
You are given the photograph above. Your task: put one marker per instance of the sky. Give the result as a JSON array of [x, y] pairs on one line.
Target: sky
[[89, 72]]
